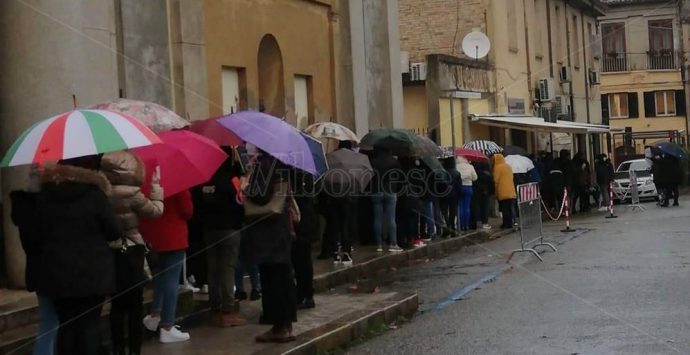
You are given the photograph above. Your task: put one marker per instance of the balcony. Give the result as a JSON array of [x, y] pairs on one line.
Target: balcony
[[652, 60]]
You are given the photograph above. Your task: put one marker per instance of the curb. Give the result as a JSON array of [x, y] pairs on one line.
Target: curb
[[349, 328], [378, 267]]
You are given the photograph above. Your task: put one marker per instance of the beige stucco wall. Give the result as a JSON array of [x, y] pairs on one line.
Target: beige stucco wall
[[302, 29], [416, 113]]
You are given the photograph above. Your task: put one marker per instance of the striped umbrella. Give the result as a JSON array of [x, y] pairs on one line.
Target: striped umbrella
[[76, 134], [488, 147]]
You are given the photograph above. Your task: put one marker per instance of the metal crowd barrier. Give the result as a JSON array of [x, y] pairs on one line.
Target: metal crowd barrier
[[529, 206]]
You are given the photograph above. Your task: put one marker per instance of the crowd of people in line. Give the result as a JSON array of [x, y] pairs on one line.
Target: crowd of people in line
[[91, 227]]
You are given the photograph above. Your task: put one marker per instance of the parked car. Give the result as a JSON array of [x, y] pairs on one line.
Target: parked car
[[645, 180]]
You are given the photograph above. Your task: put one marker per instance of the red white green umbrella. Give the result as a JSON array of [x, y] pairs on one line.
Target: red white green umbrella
[[76, 134]]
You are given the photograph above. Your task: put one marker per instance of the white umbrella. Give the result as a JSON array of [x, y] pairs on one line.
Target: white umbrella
[[519, 164]]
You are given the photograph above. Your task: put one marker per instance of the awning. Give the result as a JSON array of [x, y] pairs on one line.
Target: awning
[[532, 123]]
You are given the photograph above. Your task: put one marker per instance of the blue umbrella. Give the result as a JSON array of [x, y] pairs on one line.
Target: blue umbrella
[[670, 148], [317, 153]]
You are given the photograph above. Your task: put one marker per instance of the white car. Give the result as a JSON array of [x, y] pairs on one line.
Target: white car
[[645, 180]]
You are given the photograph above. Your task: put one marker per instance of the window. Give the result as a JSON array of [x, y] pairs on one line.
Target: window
[[618, 106], [665, 103], [303, 100], [539, 35], [575, 48], [512, 26], [660, 35], [232, 82], [613, 37]]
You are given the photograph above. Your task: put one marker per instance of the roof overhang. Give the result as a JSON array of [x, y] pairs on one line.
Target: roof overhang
[[532, 123]]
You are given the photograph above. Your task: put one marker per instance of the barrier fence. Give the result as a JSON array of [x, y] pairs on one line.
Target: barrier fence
[[634, 193], [529, 207], [611, 215]]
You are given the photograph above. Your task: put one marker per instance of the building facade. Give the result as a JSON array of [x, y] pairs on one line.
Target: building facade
[[544, 61], [304, 60], [642, 80]]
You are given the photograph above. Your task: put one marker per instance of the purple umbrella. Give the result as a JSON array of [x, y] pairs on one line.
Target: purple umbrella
[[272, 135]]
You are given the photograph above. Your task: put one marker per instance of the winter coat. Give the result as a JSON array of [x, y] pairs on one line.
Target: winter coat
[[218, 208], [565, 165], [126, 172], [383, 180], [604, 171], [75, 222], [485, 181], [266, 240], [23, 209], [454, 180], [503, 179], [583, 176], [170, 232], [467, 173]]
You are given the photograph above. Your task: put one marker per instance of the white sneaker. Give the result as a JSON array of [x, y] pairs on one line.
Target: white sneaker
[[394, 249], [379, 248], [486, 227], [151, 323], [204, 289], [174, 335]]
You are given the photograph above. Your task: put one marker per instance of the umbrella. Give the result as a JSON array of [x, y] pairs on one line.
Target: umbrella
[[317, 153], [425, 146], [154, 116], [514, 150], [348, 168], [399, 141], [76, 134], [331, 130], [471, 155], [272, 135], [670, 148], [519, 164], [488, 147], [210, 128], [186, 159]]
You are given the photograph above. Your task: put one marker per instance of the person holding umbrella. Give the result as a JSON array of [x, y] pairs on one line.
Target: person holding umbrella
[[126, 172]]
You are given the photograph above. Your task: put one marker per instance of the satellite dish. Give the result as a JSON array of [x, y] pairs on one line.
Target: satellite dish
[[476, 45]]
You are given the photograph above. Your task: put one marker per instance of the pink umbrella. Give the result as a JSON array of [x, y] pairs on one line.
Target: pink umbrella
[[210, 128], [471, 154], [186, 159]]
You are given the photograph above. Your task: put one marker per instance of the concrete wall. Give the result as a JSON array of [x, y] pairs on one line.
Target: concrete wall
[[51, 52], [146, 51], [416, 116]]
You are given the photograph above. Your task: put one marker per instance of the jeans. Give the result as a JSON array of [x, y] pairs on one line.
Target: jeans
[[482, 207], [449, 209], [429, 217], [47, 327], [166, 284], [223, 249], [254, 279], [340, 224], [384, 212], [605, 194], [79, 325], [465, 207], [127, 305]]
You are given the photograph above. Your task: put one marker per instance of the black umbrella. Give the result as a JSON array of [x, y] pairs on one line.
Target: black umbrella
[[349, 171], [514, 150], [399, 141], [426, 147]]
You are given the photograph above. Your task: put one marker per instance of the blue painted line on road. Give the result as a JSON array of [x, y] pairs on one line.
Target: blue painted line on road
[[469, 288]]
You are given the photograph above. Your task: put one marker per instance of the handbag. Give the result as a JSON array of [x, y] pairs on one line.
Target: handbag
[[275, 206]]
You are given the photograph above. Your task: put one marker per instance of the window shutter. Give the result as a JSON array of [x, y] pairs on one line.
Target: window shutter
[[649, 104], [633, 107], [605, 109], [680, 102]]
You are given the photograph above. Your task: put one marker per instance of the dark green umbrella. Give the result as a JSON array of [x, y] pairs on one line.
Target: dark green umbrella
[[399, 141]]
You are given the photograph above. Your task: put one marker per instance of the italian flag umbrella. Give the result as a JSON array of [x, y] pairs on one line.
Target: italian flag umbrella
[[76, 134]]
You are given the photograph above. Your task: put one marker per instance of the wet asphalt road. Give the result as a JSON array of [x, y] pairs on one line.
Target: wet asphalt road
[[621, 287]]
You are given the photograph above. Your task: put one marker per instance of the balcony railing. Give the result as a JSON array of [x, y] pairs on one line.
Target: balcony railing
[[652, 60]]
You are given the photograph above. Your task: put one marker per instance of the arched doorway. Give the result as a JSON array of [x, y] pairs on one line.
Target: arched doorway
[[271, 81]]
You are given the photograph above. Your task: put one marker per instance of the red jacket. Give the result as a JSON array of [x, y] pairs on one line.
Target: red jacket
[[169, 232]]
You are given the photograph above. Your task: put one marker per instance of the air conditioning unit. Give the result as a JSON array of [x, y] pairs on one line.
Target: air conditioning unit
[[564, 74], [418, 71], [547, 90], [594, 78], [404, 62], [561, 106]]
